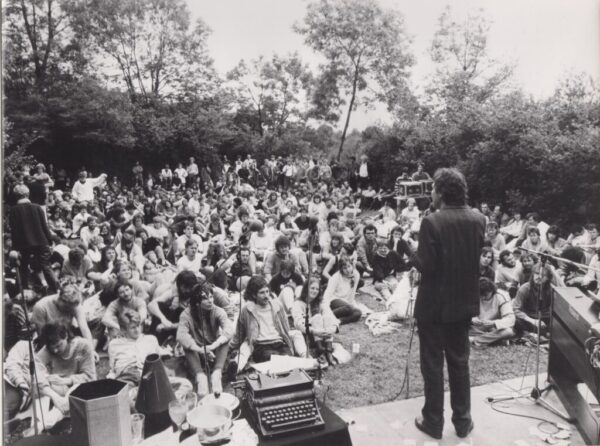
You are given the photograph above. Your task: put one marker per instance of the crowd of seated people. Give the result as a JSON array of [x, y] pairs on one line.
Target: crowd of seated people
[[520, 261], [225, 269]]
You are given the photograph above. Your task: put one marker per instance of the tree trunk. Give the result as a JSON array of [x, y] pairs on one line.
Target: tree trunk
[[260, 122], [352, 99]]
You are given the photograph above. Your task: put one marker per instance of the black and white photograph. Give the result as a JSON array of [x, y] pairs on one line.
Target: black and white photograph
[[300, 222]]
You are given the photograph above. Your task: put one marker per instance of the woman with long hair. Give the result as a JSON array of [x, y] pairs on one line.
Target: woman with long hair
[[402, 247], [322, 322], [341, 291], [487, 263]]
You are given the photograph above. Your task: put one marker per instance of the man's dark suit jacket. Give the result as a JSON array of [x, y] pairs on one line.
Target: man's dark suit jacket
[[450, 243], [28, 226]]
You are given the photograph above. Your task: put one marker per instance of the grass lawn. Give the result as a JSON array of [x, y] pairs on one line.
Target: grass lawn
[[375, 375]]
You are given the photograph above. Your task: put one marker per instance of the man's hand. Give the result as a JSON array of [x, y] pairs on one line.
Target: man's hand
[[534, 322], [62, 403], [209, 355], [55, 380], [488, 325]]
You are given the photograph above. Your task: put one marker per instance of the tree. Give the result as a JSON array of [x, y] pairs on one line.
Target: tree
[[158, 51], [34, 35], [464, 71], [366, 55], [272, 91]]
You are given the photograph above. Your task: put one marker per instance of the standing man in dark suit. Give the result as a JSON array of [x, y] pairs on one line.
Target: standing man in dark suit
[[31, 238], [450, 241]]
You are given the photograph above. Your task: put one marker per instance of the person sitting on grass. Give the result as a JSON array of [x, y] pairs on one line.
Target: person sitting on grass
[[341, 291], [534, 241], [496, 317], [127, 353], [284, 284], [204, 325], [263, 326], [554, 242], [386, 264], [486, 263], [18, 389], [508, 272], [191, 260], [322, 322], [366, 248], [274, 259], [333, 264], [65, 308], [171, 299], [125, 300], [526, 301], [493, 236], [67, 361], [241, 270]]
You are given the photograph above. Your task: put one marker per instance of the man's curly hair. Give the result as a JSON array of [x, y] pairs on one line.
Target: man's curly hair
[[451, 185]]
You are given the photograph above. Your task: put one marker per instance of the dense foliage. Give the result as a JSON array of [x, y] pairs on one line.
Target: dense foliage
[[88, 82]]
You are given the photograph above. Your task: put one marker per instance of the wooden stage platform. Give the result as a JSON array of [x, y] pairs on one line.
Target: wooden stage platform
[[393, 423]]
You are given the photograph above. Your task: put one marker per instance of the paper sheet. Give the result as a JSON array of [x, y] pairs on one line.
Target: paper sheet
[[283, 364]]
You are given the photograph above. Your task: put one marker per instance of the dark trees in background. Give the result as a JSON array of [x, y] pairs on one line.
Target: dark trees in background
[[105, 83]]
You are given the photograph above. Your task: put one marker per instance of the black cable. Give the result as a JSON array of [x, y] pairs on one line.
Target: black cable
[[543, 420], [541, 423], [406, 378]]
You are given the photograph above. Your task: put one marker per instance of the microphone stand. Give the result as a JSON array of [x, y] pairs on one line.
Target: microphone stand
[[308, 335], [206, 364], [33, 378], [560, 259], [536, 393]]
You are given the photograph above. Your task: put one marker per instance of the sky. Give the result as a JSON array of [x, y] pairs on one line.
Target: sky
[[546, 40]]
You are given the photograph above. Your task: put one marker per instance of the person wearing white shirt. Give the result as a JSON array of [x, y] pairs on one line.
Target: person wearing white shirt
[[166, 176], [89, 231], [191, 261], [188, 234], [157, 230], [180, 174], [193, 204], [363, 172], [411, 212], [288, 171], [83, 189], [236, 229], [261, 243], [79, 220], [514, 228], [341, 291]]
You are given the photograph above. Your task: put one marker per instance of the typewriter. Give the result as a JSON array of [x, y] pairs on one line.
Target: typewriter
[[283, 404]]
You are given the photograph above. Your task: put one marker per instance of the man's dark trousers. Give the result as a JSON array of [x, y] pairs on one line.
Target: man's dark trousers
[[437, 339]]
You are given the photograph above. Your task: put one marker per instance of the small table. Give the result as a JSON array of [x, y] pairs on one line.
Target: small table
[[335, 432]]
